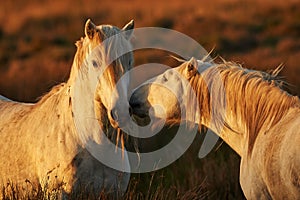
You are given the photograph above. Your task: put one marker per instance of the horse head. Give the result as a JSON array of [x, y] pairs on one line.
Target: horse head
[[168, 95], [103, 56]]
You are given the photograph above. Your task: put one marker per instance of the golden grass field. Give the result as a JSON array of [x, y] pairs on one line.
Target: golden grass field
[[37, 47]]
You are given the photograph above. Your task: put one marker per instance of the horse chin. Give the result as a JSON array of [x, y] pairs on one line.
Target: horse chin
[[113, 122]]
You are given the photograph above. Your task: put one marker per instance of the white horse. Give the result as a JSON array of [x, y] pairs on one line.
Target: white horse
[[246, 108], [44, 145]]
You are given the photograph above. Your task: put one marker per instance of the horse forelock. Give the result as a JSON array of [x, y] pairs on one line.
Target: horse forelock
[[246, 94]]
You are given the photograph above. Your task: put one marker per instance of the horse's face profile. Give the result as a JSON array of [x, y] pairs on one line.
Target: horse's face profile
[[109, 57], [164, 95]]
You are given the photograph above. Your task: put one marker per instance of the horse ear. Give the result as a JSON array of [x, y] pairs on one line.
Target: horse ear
[[90, 29], [191, 68], [128, 29]]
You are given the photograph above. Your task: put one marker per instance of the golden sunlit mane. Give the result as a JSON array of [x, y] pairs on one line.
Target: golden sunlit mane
[[55, 91], [81, 52], [254, 97]]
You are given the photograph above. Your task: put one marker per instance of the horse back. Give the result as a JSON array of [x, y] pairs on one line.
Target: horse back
[[3, 98], [10, 110]]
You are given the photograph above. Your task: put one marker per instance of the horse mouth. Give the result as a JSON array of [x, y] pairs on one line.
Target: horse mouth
[[139, 112]]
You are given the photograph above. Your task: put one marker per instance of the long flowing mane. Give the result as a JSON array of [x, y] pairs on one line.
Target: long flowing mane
[[254, 97]]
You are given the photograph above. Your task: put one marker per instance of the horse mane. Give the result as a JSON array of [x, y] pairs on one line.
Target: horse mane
[[56, 90], [254, 97], [109, 49]]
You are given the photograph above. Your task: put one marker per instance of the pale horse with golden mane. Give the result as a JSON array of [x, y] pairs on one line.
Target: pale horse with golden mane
[[246, 108], [44, 144]]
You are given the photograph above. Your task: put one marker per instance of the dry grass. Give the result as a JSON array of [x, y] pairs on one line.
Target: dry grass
[[189, 178], [37, 47]]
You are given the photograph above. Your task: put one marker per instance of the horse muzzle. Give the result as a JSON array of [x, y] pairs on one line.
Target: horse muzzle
[[119, 117]]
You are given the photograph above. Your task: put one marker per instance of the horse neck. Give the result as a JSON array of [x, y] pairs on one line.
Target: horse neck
[[57, 99], [246, 108], [55, 109], [212, 107], [91, 120]]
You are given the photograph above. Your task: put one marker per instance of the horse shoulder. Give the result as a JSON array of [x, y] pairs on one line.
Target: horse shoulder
[[289, 155], [274, 164]]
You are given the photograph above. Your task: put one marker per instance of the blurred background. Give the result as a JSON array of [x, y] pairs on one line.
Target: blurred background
[[37, 48]]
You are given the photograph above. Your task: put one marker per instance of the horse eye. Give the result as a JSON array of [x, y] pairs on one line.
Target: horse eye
[[95, 64]]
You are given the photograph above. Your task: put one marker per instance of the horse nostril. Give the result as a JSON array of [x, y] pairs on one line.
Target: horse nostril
[[134, 105], [130, 111], [114, 114]]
